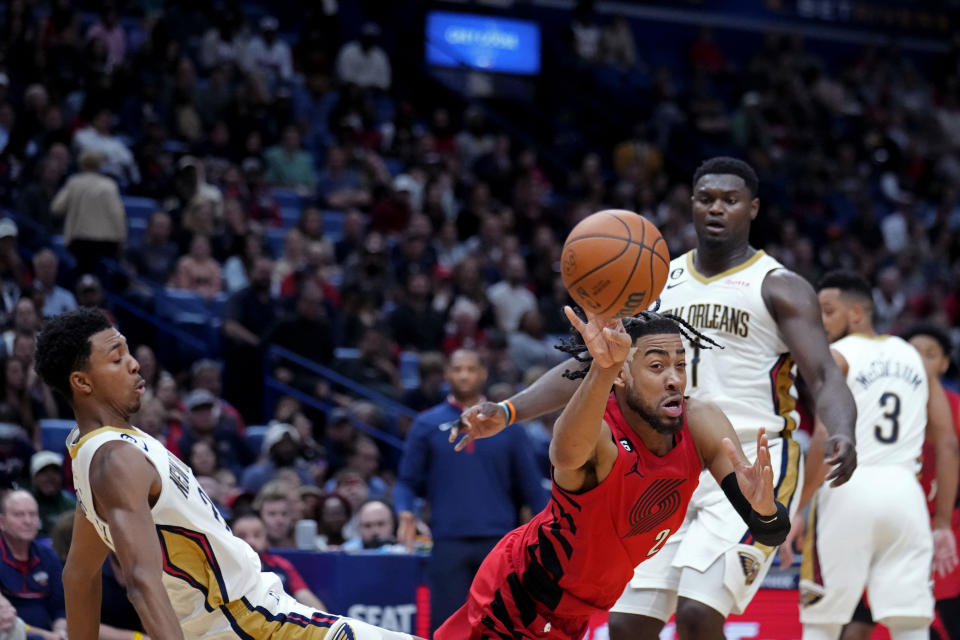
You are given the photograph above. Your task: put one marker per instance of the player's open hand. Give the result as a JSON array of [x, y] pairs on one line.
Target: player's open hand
[[944, 551], [479, 421], [606, 339], [841, 454], [755, 480]]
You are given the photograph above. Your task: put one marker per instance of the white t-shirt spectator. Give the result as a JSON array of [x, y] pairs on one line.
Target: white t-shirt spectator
[[273, 60], [510, 303], [118, 160], [366, 69]]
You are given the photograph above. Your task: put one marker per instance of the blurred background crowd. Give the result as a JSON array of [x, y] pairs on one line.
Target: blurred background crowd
[[297, 225]]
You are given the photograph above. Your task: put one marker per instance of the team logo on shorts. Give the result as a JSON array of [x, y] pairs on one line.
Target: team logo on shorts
[[810, 593], [750, 566], [345, 633]]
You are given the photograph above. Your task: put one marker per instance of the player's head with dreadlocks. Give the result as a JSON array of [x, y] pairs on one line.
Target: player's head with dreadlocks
[[653, 378]]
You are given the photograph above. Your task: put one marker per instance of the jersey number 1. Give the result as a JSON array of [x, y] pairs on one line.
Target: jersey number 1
[[891, 403]]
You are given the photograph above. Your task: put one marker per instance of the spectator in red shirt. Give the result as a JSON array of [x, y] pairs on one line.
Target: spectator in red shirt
[[250, 529]]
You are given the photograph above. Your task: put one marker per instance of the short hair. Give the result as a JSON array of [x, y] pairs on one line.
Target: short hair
[[246, 515], [643, 324], [729, 166], [933, 332], [848, 282], [273, 491], [63, 346]]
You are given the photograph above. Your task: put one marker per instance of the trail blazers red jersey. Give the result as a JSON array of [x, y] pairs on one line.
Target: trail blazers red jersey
[[546, 578]]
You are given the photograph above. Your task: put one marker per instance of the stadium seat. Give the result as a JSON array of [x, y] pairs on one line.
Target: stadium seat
[[275, 240], [254, 436], [290, 216], [287, 198], [53, 433], [333, 223], [139, 207], [409, 369], [136, 230]]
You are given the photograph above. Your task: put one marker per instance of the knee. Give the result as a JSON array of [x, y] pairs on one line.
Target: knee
[[628, 626], [696, 620]]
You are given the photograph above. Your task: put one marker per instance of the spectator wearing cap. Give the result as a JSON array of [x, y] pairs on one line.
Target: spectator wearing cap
[[268, 55], [95, 224], [208, 374], [155, 256], [251, 529], [46, 485], [204, 422], [288, 165], [280, 450], [30, 573], [56, 299], [362, 62], [13, 274]]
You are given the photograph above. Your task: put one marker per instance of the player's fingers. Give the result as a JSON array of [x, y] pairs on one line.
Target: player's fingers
[[464, 441], [731, 450], [574, 319], [454, 432]]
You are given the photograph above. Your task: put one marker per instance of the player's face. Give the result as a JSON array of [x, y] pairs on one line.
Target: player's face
[[113, 375], [723, 209], [935, 361], [655, 378], [251, 531], [834, 311]]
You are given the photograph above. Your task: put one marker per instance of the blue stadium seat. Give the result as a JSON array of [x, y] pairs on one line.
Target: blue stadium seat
[[136, 230], [290, 216], [53, 433], [275, 240], [333, 223], [139, 207], [181, 306], [254, 436], [287, 198], [409, 369]]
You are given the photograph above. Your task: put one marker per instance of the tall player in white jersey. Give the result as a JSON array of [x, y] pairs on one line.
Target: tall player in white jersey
[[873, 533], [768, 319], [187, 575]]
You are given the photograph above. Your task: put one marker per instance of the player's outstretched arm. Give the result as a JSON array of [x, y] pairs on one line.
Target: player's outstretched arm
[[794, 305], [748, 487], [81, 579], [122, 480], [549, 392], [947, 465], [577, 432]]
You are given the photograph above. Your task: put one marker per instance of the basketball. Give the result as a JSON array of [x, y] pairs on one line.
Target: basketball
[[615, 263]]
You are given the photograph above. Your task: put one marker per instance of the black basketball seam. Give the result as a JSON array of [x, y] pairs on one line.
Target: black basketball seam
[[635, 262], [654, 252], [626, 246]]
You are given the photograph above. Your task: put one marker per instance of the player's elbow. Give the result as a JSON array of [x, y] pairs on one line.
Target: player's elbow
[[566, 458], [141, 582]]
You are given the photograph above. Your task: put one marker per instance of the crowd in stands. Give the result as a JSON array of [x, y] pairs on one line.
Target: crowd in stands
[[291, 178]]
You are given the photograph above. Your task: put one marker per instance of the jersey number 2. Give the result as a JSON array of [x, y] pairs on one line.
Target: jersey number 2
[[661, 538], [891, 403]]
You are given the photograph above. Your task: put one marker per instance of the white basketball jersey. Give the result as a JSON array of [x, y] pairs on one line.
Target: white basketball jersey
[[889, 384], [751, 377], [205, 565]]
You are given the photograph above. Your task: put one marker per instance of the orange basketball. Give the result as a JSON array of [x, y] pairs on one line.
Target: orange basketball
[[615, 263]]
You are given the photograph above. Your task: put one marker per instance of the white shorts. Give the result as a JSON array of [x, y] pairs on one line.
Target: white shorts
[[269, 612], [713, 559], [871, 533]]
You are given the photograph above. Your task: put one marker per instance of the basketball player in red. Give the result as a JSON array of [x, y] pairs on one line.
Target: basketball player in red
[[625, 464]]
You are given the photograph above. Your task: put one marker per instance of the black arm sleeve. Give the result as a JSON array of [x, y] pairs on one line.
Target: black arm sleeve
[[768, 530]]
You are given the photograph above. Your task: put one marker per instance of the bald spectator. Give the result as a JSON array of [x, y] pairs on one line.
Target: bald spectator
[[96, 223], [56, 299], [377, 525], [31, 573]]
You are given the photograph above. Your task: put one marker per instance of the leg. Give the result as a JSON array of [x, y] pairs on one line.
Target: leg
[[908, 627], [698, 621], [449, 574], [949, 610], [629, 626], [857, 631], [821, 631], [641, 613]]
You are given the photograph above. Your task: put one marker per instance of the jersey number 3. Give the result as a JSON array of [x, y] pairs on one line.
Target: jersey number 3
[[890, 402]]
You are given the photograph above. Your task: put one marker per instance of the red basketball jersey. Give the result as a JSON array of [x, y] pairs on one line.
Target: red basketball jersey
[[586, 545]]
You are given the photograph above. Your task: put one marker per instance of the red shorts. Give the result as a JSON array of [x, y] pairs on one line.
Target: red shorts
[[491, 610], [948, 586]]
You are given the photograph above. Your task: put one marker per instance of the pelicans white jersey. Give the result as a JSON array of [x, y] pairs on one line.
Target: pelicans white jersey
[[751, 378], [713, 559], [889, 385], [212, 577], [855, 539]]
